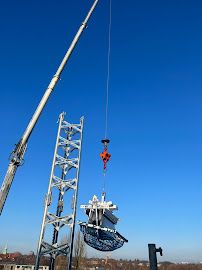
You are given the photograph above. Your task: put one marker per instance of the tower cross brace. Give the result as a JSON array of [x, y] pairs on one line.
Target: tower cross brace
[[61, 199]]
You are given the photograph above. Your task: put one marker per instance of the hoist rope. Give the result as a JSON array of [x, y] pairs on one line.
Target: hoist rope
[[108, 80], [108, 68]]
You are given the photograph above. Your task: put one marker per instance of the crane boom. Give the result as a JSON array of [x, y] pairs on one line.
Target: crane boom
[[20, 148]]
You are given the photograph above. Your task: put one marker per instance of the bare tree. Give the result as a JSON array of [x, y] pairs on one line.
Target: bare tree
[[61, 261], [79, 251]]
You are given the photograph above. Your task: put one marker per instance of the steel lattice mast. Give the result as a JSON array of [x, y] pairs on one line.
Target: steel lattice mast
[[61, 200], [20, 148]]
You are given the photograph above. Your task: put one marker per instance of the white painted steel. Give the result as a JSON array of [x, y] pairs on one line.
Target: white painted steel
[[20, 148], [66, 158], [56, 77], [47, 202]]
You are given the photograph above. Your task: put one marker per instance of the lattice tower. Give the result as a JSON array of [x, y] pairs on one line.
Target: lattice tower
[[61, 199]]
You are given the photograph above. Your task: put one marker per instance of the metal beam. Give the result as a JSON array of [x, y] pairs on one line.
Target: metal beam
[[20, 148], [59, 213]]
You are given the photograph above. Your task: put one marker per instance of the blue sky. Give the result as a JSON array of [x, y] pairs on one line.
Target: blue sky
[[155, 112]]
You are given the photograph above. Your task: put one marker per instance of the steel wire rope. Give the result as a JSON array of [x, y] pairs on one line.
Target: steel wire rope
[[108, 68], [108, 81]]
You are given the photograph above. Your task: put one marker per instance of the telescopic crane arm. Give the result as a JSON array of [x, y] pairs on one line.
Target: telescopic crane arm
[[20, 148]]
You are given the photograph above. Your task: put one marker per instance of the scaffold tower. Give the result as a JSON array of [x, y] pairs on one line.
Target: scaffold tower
[[57, 229]]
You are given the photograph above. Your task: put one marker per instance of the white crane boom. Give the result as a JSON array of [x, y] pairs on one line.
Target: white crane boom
[[20, 148]]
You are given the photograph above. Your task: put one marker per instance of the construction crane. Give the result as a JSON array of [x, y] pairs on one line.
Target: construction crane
[[17, 155]]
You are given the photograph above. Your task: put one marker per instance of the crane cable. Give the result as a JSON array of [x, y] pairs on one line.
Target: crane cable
[[105, 155], [108, 68]]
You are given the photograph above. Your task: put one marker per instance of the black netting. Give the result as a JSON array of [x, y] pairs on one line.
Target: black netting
[[100, 239]]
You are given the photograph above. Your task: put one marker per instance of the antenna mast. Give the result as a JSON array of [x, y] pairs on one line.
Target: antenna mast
[[20, 148]]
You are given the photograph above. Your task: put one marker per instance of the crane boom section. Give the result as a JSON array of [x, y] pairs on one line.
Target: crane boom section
[[19, 151]]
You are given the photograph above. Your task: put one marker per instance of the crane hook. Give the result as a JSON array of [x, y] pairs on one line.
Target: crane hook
[[105, 156]]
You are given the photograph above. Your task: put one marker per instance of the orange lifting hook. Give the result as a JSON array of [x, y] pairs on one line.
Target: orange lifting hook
[[105, 156]]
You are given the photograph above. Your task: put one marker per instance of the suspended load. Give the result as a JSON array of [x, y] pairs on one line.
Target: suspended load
[[99, 232]]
